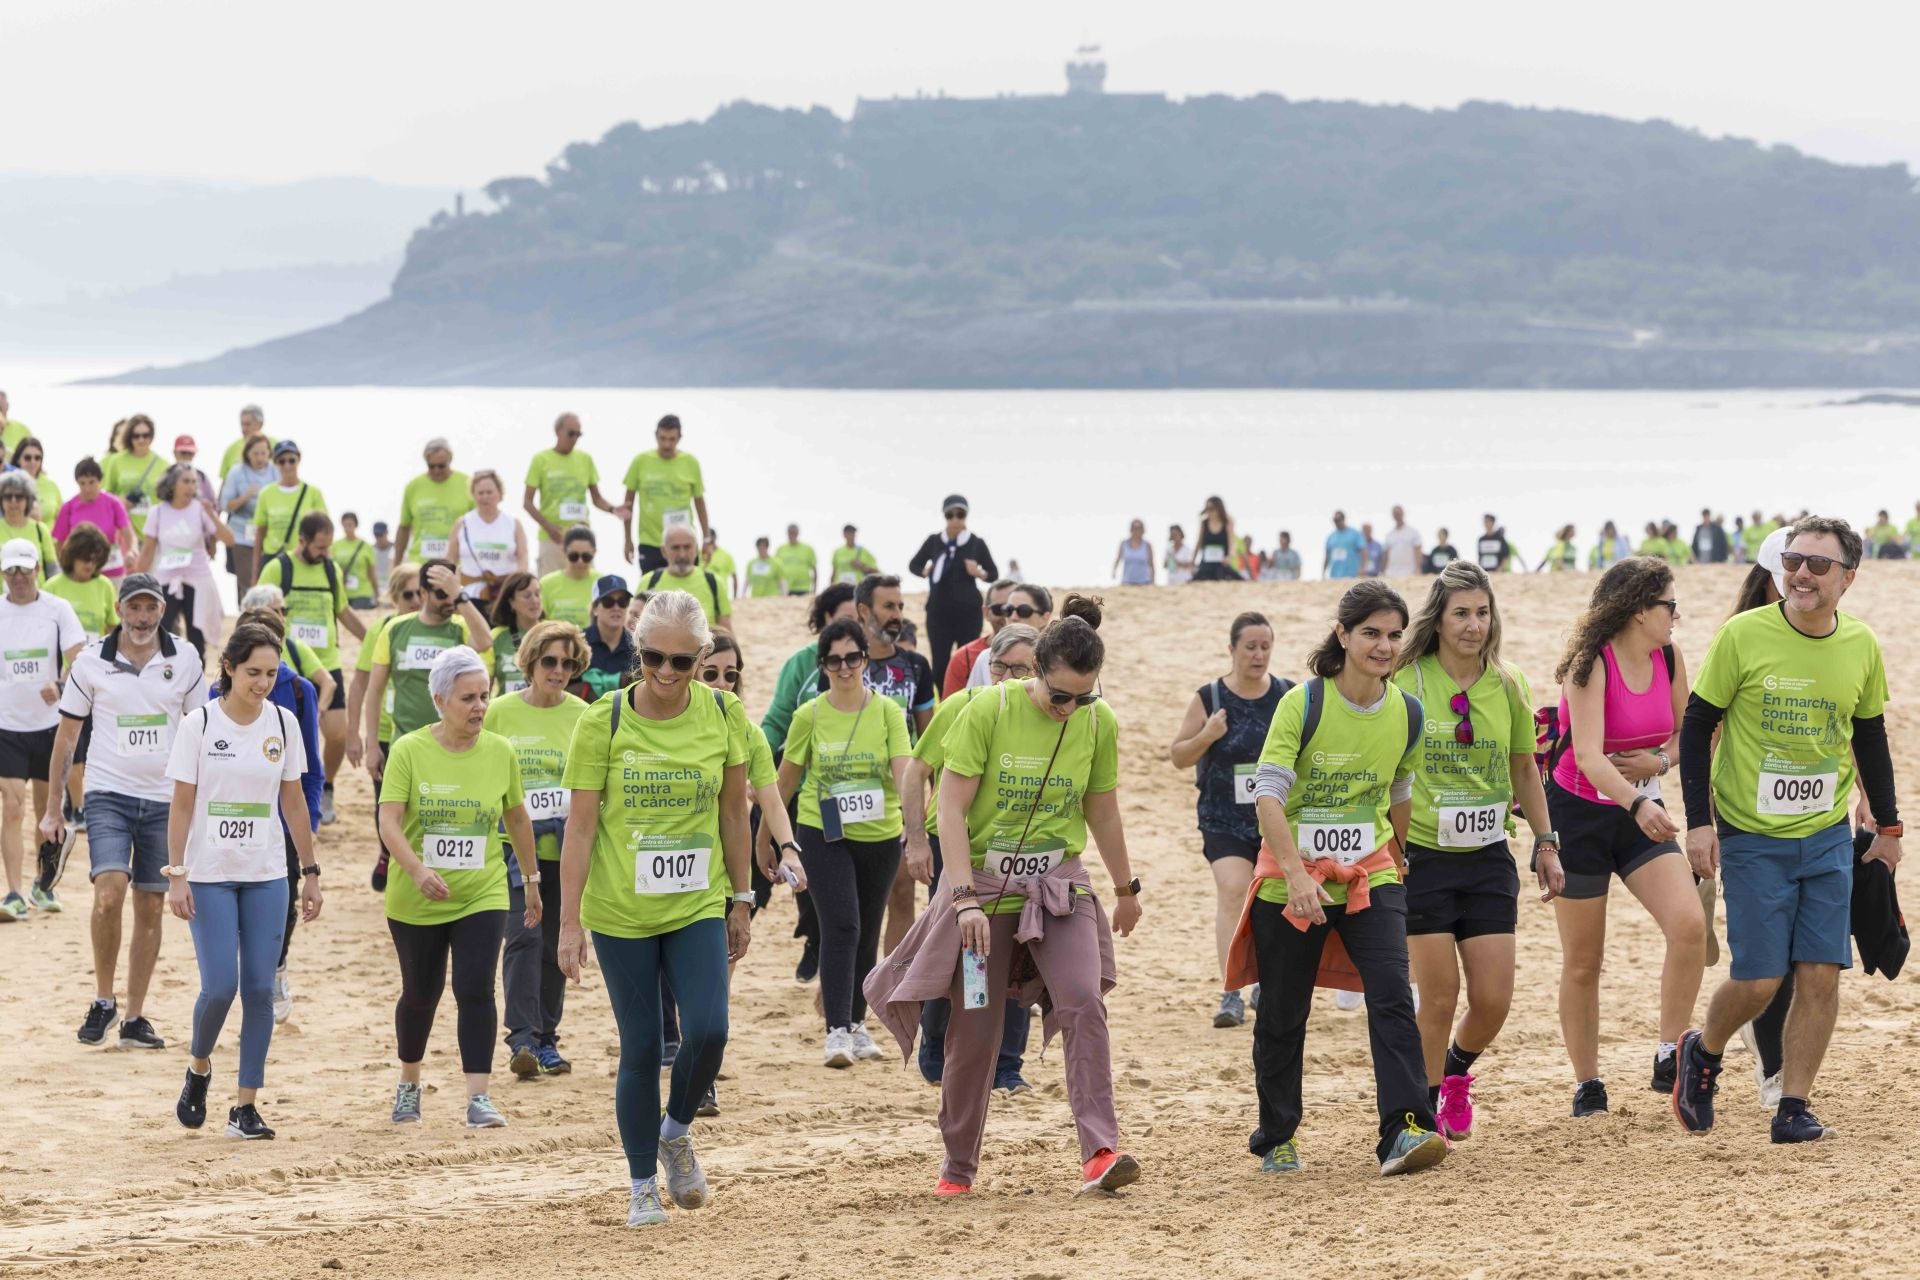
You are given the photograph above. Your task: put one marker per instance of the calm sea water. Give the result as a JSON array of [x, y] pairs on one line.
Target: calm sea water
[[1054, 477]]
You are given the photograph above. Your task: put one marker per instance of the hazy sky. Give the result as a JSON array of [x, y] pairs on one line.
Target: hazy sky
[[454, 94]]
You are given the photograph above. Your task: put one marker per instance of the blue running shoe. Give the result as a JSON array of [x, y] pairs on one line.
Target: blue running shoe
[[1802, 1126], [551, 1063], [1695, 1082], [1284, 1158], [1413, 1149]]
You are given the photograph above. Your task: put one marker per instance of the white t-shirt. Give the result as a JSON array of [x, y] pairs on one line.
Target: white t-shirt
[[134, 715], [32, 639], [1403, 552], [237, 770]]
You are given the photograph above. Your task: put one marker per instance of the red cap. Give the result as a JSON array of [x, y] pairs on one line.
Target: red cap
[[184, 442]]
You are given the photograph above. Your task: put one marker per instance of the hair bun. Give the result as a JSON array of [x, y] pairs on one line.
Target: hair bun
[[1084, 608]]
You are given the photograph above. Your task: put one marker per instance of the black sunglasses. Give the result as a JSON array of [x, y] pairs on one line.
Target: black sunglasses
[[653, 660], [1012, 610], [618, 602], [1818, 566], [579, 557], [848, 661], [957, 513], [1059, 699], [715, 675], [549, 662]]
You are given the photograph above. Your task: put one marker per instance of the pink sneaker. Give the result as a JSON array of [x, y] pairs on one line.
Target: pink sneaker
[[1454, 1116]]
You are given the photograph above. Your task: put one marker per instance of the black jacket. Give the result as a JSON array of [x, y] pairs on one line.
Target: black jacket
[[1878, 928], [956, 585]]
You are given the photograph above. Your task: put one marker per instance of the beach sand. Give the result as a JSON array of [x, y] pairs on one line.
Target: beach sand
[[817, 1172]]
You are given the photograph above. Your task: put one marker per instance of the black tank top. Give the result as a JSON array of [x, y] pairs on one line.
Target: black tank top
[[1247, 722]]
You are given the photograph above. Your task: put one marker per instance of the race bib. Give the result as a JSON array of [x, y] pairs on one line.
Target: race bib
[[1243, 777], [573, 511], [493, 553], [1344, 835], [1787, 787], [669, 864], [1034, 860], [309, 633], [1470, 826], [27, 666], [675, 519], [142, 735], [1648, 787], [453, 850], [233, 828], [434, 548], [851, 578], [420, 655], [548, 802], [173, 558], [858, 803], [1339, 555], [114, 560], [513, 683], [353, 582], [1212, 555]]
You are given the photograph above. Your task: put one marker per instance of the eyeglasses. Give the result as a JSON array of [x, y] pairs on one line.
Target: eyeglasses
[[843, 661], [1673, 606], [714, 675], [1059, 699], [549, 662], [957, 513], [1816, 565], [580, 557], [1021, 611], [414, 594], [653, 660], [1461, 706], [1011, 670]]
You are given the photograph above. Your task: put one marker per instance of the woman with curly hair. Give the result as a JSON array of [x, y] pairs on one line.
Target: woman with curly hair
[[1623, 689]]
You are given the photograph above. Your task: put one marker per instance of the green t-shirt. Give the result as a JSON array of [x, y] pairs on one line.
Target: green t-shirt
[[454, 801], [1785, 763], [36, 532], [1881, 534], [540, 737], [49, 495], [763, 578], [313, 607], [302, 658], [1753, 535], [354, 556], [235, 451], [563, 480], [1463, 795], [1913, 526], [1655, 547], [851, 755], [761, 771], [664, 490], [124, 474], [364, 664], [275, 524], [1341, 794], [658, 864], [503, 662], [94, 600], [796, 561], [721, 566], [843, 558], [408, 648], [428, 507], [795, 682], [704, 585], [11, 435], [567, 599], [931, 750], [1005, 741], [1562, 556]]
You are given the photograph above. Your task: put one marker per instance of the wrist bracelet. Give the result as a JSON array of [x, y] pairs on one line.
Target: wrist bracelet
[[1634, 808]]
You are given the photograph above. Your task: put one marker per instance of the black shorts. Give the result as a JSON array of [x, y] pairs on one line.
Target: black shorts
[[1465, 892], [27, 755], [650, 558], [1215, 845], [339, 701], [1598, 841]]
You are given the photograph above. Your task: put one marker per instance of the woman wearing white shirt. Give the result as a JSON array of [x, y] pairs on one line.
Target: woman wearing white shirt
[[173, 548], [489, 542], [236, 772]]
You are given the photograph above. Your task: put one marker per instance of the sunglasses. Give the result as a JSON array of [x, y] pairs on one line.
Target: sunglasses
[[141, 435], [1022, 611], [29, 457], [550, 663], [580, 557], [617, 602], [1460, 706], [714, 675], [1673, 606], [287, 460], [410, 595], [846, 661], [653, 660], [957, 513], [1059, 699], [1011, 670], [1818, 566]]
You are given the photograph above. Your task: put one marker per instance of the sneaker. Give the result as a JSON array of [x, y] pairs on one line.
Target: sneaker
[[1284, 1158], [1013, 1084], [13, 907], [644, 1208], [245, 1122], [669, 1050], [138, 1033], [1108, 1171], [1590, 1099], [482, 1114], [1771, 1087], [48, 874], [1802, 1126], [67, 841], [282, 996], [1253, 998], [1454, 1117], [1663, 1072], [1413, 1149], [406, 1103], [551, 1063], [709, 1102], [1348, 1001], [379, 877], [686, 1183], [327, 814], [101, 1015], [838, 1051], [945, 1188], [1232, 1011], [43, 899], [191, 1110], [524, 1063], [809, 967], [1695, 1086], [864, 1049]]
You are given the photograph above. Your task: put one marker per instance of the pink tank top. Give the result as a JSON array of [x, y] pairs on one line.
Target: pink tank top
[[1633, 721]]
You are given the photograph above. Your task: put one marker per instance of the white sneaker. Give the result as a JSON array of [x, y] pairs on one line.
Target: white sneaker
[[1769, 1085], [282, 996], [1349, 1000], [864, 1049], [839, 1048]]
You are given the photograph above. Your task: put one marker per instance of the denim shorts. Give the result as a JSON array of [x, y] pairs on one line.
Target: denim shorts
[[1788, 901], [127, 835]]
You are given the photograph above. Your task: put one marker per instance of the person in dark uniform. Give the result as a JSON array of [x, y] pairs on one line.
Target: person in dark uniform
[[954, 562]]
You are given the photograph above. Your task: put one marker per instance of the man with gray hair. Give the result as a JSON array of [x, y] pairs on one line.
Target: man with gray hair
[[253, 421], [431, 504]]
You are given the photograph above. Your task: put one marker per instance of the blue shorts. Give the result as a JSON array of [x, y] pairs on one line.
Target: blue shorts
[[1788, 901], [129, 836]]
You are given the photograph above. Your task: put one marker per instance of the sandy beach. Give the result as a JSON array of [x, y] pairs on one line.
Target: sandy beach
[[817, 1172]]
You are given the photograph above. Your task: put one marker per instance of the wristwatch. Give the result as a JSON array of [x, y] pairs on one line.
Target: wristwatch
[[1546, 837], [171, 869], [313, 870], [1131, 889], [785, 845]]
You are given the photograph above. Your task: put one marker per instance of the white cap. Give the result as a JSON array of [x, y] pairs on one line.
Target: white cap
[[19, 554], [1769, 557]]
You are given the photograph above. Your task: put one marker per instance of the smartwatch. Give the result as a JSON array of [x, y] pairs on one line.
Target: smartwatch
[[313, 870], [1131, 889]]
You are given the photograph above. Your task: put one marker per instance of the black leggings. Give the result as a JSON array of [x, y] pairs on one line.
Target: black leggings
[[951, 623], [293, 894], [474, 941], [178, 619], [849, 881]]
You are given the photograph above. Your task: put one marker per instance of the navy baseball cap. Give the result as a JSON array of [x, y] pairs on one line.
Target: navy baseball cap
[[610, 584], [286, 446]]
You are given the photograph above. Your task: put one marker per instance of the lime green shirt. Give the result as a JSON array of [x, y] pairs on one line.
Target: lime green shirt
[[364, 665], [1785, 763], [1563, 556], [851, 755], [1881, 534], [540, 737], [721, 566], [11, 435], [236, 451], [797, 563], [454, 802], [1463, 795], [1913, 525], [1341, 794], [408, 648], [95, 600], [125, 475], [844, 559], [763, 579], [1001, 738], [704, 585], [313, 606], [761, 771], [36, 532], [658, 864], [567, 599], [664, 490], [1753, 535], [428, 508], [562, 481], [931, 750], [275, 524], [354, 556], [49, 496], [301, 657]]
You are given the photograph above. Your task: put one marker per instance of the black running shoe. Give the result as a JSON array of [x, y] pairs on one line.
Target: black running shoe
[[49, 868], [192, 1107], [245, 1122], [1695, 1086], [379, 877], [1663, 1073], [710, 1102], [1590, 1099], [809, 967], [1802, 1126], [101, 1015], [138, 1033]]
